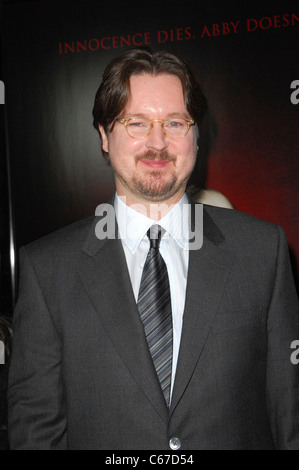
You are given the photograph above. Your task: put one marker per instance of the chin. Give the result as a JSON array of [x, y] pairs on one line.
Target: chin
[[157, 189]]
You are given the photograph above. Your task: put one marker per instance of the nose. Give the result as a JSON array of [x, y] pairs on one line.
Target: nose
[[157, 139]]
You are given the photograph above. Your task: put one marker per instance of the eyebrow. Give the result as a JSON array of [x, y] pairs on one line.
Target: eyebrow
[[168, 116]]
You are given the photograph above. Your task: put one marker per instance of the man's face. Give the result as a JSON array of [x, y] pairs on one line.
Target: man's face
[[157, 167]]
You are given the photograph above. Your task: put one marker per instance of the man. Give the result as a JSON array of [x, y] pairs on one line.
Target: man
[[140, 341]]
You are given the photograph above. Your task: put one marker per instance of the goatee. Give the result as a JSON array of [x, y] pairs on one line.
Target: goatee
[[153, 186]]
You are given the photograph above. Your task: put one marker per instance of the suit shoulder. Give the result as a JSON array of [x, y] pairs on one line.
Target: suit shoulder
[[244, 230], [231, 217], [64, 240]]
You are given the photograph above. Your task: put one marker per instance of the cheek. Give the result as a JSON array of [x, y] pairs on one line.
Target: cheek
[[124, 148], [188, 156]]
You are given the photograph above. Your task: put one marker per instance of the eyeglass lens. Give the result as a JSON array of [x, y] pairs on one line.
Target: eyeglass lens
[[177, 127]]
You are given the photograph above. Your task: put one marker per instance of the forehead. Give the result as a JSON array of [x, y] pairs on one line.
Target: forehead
[[156, 94]]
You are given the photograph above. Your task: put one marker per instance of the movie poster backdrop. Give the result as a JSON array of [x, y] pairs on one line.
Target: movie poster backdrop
[[246, 59]]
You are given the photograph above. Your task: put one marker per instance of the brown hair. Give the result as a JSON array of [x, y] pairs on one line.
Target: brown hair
[[114, 91]]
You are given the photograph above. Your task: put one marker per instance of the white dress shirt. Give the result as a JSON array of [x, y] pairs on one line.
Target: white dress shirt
[[174, 248]]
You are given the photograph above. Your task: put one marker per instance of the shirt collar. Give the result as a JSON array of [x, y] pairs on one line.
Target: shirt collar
[[133, 225]]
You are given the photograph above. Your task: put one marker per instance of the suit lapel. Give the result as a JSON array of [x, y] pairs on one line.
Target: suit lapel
[[104, 274], [208, 271], [105, 277]]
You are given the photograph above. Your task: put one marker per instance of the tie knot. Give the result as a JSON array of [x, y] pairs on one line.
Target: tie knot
[[154, 234]]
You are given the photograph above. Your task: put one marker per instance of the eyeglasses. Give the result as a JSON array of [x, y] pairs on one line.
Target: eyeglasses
[[139, 128]]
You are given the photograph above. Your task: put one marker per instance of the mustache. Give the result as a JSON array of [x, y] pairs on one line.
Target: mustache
[[150, 155]]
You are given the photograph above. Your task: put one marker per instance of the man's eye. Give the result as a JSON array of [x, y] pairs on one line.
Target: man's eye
[[174, 124], [138, 124]]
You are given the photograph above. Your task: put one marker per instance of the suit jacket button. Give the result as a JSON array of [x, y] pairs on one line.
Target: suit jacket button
[[175, 443]]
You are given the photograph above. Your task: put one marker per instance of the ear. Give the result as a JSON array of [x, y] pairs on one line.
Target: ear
[[104, 138]]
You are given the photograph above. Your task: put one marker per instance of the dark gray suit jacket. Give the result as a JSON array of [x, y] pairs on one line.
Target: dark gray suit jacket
[[81, 374]]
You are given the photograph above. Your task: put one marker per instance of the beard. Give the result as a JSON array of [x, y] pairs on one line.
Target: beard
[[154, 185]]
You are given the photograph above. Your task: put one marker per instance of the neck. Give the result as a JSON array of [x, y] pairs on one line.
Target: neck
[[155, 210]]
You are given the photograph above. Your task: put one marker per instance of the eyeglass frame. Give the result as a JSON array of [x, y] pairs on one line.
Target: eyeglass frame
[[125, 121]]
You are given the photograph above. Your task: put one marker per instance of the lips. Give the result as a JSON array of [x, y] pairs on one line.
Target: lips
[[156, 160], [156, 164]]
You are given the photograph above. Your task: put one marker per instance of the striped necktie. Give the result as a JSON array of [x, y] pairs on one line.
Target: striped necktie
[[154, 305]]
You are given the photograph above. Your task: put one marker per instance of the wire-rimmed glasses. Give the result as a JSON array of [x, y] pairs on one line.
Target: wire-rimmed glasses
[[139, 127]]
